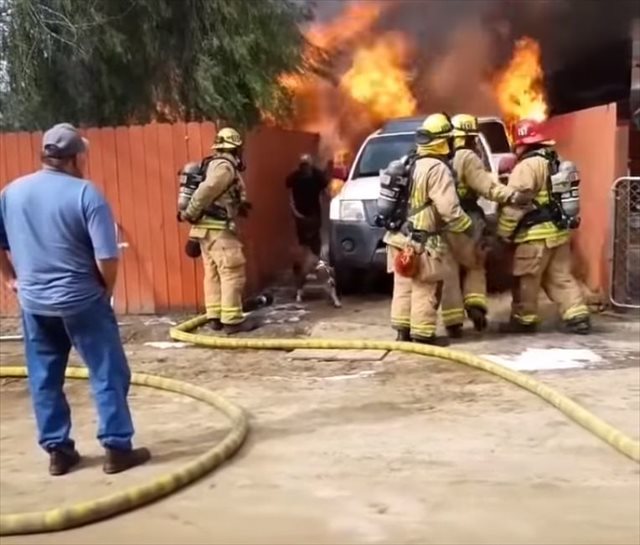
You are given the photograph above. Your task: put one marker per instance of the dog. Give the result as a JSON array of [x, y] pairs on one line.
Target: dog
[[316, 268]]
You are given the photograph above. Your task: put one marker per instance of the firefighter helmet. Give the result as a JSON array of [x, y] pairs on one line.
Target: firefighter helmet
[[465, 125], [529, 132], [434, 135], [227, 139]]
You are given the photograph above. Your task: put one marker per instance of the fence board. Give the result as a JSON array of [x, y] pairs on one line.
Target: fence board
[[170, 227], [127, 220], [196, 153], [36, 150], [11, 157], [4, 178], [142, 219], [154, 199], [25, 155], [187, 265], [94, 160], [8, 303], [109, 174]]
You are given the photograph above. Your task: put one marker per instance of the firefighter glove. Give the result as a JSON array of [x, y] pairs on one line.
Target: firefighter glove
[[521, 198], [192, 248]]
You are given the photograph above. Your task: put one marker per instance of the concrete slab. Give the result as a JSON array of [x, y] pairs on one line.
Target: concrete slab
[[337, 355], [351, 330]]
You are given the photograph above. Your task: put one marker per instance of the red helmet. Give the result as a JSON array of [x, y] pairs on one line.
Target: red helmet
[[528, 132]]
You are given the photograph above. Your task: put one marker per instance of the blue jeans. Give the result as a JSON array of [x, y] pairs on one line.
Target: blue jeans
[[95, 336]]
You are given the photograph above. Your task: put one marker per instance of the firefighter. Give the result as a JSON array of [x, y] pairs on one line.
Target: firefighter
[[541, 233], [213, 211], [466, 258], [416, 251]]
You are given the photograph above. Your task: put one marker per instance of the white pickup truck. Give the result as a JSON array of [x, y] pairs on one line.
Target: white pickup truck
[[355, 242]]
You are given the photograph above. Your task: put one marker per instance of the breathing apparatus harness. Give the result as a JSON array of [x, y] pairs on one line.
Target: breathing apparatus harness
[[562, 184], [193, 174], [468, 202], [396, 186]]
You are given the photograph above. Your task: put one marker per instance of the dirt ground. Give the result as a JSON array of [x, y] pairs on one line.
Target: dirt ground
[[397, 450]]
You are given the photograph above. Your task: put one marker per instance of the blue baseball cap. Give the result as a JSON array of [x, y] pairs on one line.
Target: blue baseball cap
[[62, 141]]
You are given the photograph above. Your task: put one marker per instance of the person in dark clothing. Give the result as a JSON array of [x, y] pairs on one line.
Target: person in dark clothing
[[306, 186]]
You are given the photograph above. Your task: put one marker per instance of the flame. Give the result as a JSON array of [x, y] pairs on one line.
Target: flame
[[519, 88], [335, 186], [374, 75], [369, 79], [379, 80], [356, 20]]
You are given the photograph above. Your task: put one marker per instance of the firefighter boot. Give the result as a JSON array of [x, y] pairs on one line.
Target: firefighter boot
[[478, 316], [433, 340], [454, 331], [514, 326], [214, 324], [403, 335], [62, 460], [249, 324], [117, 461], [578, 326]]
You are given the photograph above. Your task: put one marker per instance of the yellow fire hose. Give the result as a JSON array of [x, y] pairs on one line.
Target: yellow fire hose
[[92, 511], [85, 512], [610, 435]]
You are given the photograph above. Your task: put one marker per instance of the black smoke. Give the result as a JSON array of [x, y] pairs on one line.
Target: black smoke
[[585, 46]]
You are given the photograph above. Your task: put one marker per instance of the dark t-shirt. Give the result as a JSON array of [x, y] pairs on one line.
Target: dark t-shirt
[[306, 190]]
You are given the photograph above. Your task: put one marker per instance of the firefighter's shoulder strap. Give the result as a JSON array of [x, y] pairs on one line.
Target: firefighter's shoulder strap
[[204, 166], [427, 202], [542, 212]]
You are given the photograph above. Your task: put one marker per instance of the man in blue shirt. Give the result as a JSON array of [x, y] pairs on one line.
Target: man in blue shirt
[[58, 251]]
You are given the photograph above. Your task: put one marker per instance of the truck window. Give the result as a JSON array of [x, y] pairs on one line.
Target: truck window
[[496, 136], [380, 151]]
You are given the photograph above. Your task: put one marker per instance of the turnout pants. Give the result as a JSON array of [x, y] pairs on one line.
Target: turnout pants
[[537, 266], [465, 282], [94, 334], [415, 301], [224, 276]]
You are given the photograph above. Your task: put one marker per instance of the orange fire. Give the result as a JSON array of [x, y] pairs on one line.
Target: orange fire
[[368, 81], [355, 20], [519, 88], [378, 78]]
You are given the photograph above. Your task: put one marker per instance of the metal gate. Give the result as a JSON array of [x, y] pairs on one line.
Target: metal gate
[[624, 289]]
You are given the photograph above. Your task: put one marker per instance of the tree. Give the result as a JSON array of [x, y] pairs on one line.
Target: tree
[[110, 62]]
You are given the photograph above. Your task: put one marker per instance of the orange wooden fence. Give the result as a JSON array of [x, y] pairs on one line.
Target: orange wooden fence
[[136, 169]]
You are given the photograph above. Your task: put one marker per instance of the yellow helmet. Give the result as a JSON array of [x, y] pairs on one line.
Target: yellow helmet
[[433, 135], [465, 125], [227, 139]]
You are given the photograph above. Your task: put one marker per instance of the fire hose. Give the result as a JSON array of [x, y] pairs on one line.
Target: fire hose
[[92, 511]]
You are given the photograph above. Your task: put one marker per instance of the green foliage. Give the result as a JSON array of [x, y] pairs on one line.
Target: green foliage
[[112, 62]]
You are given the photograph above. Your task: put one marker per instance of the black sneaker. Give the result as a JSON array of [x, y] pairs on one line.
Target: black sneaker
[[61, 461], [479, 318], [455, 331]]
